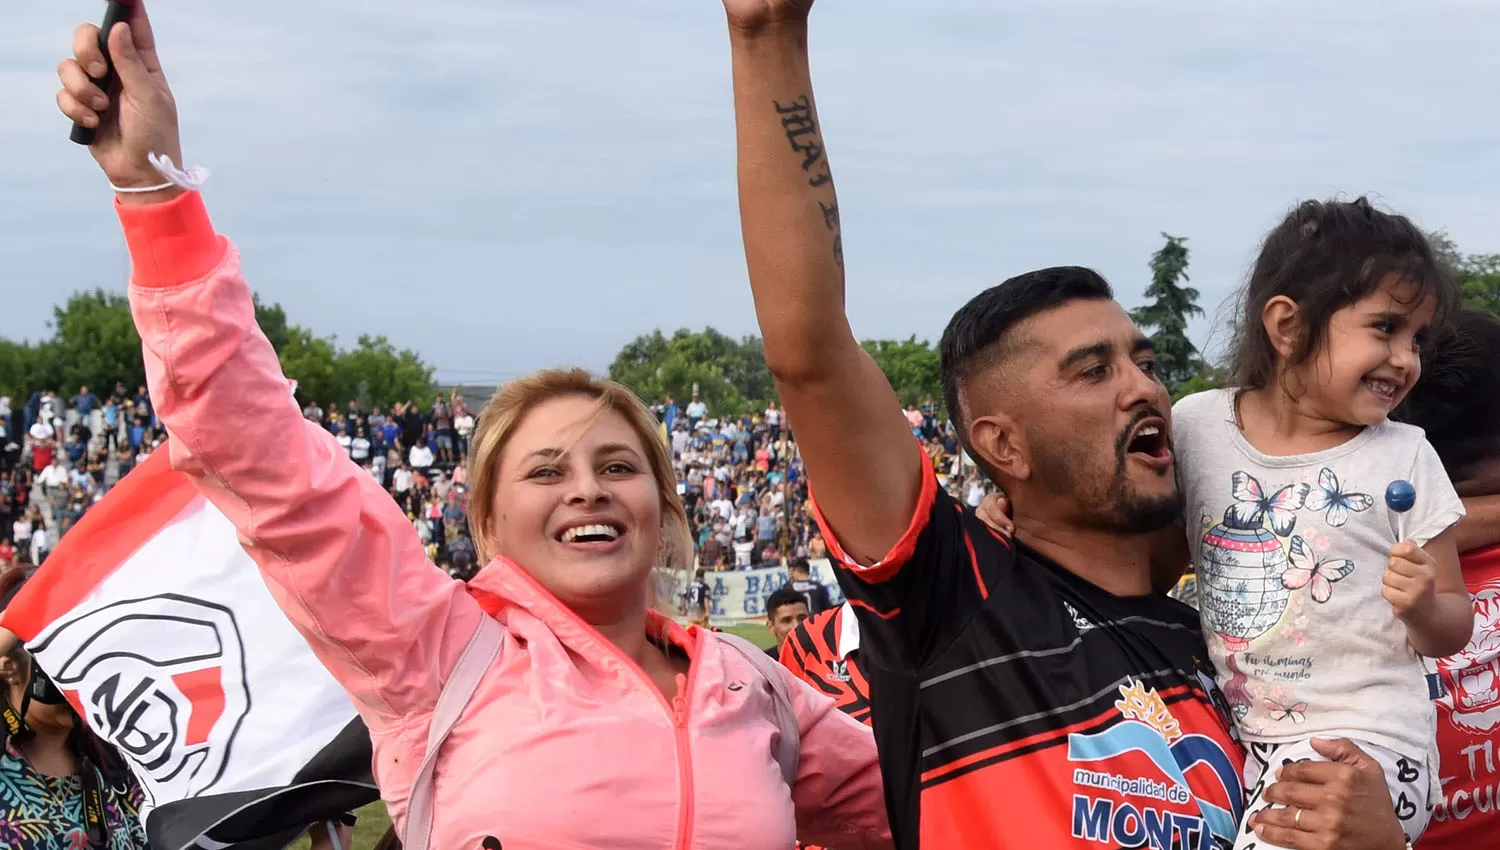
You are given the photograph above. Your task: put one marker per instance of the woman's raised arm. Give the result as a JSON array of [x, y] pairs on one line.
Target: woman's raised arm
[[337, 553]]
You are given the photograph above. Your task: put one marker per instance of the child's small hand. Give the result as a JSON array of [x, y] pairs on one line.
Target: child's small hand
[[1410, 580]]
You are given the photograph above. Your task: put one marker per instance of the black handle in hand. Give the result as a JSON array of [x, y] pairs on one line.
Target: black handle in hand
[[117, 12]]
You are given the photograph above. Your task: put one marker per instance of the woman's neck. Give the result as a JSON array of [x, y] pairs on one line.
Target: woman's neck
[[1278, 424], [627, 631], [48, 753]]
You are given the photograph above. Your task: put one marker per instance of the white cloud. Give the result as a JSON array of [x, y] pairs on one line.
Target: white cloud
[[509, 185]]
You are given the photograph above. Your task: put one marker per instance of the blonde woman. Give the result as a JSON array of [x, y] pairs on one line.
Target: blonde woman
[[597, 723]]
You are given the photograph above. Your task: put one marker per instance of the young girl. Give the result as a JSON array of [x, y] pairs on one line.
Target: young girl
[[1317, 600]]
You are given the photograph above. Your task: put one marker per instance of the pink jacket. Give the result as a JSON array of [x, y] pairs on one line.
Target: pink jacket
[[566, 743]]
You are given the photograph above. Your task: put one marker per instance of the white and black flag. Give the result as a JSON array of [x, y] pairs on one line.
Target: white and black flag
[[158, 629]]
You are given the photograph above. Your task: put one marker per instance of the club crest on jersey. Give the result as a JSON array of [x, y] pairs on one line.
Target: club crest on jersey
[[1080, 622], [1119, 803], [162, 678], [839, 670]]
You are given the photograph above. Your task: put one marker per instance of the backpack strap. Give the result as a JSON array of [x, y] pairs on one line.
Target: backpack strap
[[789, 748], [477, 658]]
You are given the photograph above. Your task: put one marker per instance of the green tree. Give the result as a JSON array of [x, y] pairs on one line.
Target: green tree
[[1166, 316], [22, 371], [381, 374], [94, 344], [272, 321], [730, 375], [1479, 278], [313, 362], [912, 366], [1478, 275]]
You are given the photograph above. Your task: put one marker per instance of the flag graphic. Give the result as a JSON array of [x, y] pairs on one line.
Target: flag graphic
[[159, 630]]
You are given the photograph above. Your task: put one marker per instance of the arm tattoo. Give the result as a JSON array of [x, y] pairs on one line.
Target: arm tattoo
[[803, 135]]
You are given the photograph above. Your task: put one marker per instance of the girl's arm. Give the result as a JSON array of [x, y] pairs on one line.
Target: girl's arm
[[1426, 587]]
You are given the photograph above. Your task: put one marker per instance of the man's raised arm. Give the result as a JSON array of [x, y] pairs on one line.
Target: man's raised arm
[[861, 461]]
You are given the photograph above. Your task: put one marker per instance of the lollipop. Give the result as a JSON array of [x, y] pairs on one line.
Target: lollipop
[[1399, 498]]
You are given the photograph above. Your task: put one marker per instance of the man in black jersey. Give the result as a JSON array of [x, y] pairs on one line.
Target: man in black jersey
[[799, 579], [1032, 693]]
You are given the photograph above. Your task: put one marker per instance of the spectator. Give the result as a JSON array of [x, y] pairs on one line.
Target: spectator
[[785, 609], [49, 759], [696, 412], [359, 447], [799, 580], [84, 403], [421, 457]]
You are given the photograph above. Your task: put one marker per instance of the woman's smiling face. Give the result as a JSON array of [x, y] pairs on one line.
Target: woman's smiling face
[[577, 505]]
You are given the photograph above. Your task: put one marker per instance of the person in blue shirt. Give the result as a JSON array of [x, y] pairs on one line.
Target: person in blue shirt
[[85, 402]]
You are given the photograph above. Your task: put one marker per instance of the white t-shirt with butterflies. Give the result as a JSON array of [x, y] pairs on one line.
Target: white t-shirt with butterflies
[[1291, 554]]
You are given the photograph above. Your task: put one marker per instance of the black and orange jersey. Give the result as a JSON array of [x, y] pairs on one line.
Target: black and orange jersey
[[1016, 705], [812, 651]]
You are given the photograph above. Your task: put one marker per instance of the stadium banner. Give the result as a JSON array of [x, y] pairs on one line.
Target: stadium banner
[[739, 596]]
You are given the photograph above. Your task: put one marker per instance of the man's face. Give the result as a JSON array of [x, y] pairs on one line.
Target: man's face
[[1096, 420], [784, 619]]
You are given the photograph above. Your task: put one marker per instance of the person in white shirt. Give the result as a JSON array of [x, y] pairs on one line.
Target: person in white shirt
[[976, 493], [39, 544], [463, 423], [20, 532], [401, 479], [696, 410], [743, 547], [42, 431], [722, 507], [53, 477], [359, 447], [421, 456]]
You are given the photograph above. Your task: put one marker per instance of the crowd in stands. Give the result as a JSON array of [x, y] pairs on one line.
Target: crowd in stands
[[740, 476], [743, 486], [59, 457]]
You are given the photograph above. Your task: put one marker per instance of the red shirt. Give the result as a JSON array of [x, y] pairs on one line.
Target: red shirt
[[41, 456], [1469, 720]]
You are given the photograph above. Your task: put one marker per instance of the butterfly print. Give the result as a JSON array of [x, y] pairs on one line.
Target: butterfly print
[[1306, 570], [1297, 713], [1328, 497], [1255, 507]]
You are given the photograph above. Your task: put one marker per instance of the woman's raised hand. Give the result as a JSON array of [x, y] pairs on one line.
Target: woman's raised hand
[[142, 117]]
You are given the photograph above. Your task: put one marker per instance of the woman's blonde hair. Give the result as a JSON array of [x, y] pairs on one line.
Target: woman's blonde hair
[[503, 414]]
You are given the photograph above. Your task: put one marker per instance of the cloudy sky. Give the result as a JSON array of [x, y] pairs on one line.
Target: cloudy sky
[[505, 185]]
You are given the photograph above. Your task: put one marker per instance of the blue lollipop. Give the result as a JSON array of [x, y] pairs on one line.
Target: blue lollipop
[[1399, 498]]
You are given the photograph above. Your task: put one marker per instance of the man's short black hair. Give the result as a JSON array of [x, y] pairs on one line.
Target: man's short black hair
[[1457, 400], [784, 596], [973, 340]]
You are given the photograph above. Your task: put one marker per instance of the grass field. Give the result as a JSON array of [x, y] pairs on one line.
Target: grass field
[[373, 821]]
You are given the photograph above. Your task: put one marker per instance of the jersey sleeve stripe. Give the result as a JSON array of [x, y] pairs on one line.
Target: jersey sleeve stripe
[[887, 567], [984, 592], [884, 615]]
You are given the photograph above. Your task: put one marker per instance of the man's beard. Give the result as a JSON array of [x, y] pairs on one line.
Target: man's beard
[[1114, 506]]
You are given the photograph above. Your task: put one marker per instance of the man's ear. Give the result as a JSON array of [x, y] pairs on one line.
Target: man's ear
[[1001, 444]]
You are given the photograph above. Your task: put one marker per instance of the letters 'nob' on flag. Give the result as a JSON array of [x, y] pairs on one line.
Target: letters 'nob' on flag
[[160, 632]]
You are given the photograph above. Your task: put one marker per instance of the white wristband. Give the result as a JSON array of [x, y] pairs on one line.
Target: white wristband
[[191, 179]]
